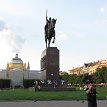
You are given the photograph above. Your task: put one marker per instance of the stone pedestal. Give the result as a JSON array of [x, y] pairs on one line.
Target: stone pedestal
[[50, 64]]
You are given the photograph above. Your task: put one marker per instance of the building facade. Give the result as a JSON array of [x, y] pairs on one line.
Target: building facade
[[17, 71], [89, 68]]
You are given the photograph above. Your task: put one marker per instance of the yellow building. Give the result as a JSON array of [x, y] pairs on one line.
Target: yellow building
[[16, 63], [75, 70], [92, 67], [89, 68]]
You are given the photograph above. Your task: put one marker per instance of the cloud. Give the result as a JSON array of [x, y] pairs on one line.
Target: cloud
[[9, 38], [102, 10], [3, 25], [15, 8], [62, 36], [101, 22]]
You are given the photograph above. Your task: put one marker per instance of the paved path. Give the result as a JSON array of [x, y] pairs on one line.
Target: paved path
[[50, 104]]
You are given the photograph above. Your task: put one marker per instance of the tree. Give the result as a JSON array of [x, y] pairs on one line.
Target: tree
[[65, 77], [100, 76]]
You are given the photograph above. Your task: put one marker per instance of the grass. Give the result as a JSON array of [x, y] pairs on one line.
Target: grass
[[102, 93], [25, 94]]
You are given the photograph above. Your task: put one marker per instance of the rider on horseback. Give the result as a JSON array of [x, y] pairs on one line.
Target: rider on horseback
[[49, 30], [47, 27]]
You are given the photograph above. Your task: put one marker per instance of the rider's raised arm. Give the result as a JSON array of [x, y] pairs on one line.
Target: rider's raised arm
[[46, 19], [46, 16]]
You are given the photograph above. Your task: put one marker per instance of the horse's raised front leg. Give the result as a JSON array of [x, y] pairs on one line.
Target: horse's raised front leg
[[49, 43], [53, 39]]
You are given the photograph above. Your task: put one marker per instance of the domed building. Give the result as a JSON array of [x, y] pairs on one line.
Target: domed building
[[17, 71], [16, 63]]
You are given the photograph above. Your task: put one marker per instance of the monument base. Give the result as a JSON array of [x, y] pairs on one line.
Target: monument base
[[50, 64]]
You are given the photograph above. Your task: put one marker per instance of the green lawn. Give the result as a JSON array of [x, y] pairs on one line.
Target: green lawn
[[102, 93], [25, 94]]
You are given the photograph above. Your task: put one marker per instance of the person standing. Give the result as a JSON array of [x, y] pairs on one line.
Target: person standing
[[91, 93]]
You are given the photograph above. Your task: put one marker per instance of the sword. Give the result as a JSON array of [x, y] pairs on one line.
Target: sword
[[46, 14]]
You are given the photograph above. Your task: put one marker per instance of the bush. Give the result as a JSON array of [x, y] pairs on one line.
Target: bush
[[5, 83], [29, 83]]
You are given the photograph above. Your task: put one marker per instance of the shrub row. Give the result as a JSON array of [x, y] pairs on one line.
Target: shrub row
[[5, 83], [29, 83]]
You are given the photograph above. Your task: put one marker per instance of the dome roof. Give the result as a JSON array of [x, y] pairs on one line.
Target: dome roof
[[16, 60]]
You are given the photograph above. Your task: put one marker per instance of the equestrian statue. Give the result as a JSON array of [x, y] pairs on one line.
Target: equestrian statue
[[49, 30]]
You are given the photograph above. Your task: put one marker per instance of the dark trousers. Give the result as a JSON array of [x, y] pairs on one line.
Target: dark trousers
[[92, 104]]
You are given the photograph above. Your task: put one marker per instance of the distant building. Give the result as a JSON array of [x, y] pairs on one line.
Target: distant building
[[17, 71], [89, 68], [76, 70], [16, 63]]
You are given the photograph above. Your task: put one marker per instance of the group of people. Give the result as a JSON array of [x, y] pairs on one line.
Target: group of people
[[49, 83]]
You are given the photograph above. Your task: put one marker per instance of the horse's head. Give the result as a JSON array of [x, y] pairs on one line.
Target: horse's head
[[54, 22]]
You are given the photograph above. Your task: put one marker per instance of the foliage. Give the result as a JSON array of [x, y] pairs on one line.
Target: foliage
[[28, 83], [65, 77], [75, 79], [100, 76], [5, 83]]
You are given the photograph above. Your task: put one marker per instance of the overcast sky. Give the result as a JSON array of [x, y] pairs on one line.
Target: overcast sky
[[81, 31]]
